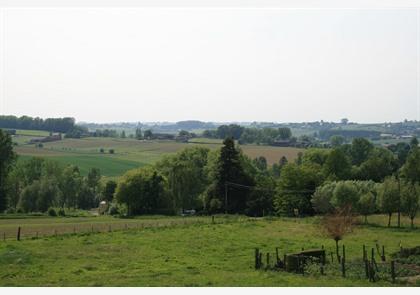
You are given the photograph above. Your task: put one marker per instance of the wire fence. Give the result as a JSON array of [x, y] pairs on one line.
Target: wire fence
[[323, 263], [40, 231]]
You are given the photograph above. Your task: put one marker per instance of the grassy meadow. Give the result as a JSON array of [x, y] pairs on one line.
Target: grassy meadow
[[129, 153], [196, 253]]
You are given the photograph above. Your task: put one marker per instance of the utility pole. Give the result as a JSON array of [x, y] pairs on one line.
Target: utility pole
[[226, 210]]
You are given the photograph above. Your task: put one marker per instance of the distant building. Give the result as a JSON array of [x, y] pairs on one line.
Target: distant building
[[282, 142], [54, 137]]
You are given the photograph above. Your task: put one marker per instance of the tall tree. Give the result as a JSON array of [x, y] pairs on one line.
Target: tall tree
[[389, 197], [230, 183], [367, 204], [93, 180], [296, 185], [381, 163], [109, 190], [260, 201], [411, 169], [139, 134], [142, 191], [186, 175], [337, 166], [410, 200], [7, 157], [345, 195], [360, 150], [70, 185]]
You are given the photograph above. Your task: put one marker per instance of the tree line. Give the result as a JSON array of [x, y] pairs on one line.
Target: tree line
[[62, 125], [249, 135], [370, 179]]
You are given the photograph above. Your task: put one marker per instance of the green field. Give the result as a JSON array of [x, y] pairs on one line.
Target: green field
[[193, 254], [36, 133], [129, 153]]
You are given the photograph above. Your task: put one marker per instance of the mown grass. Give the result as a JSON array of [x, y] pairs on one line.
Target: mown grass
[[202, 254], [131, 153]]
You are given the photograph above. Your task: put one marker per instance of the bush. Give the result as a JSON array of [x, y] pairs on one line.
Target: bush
[[10, 211], [61, 212], [111, 151], [51, 212], [101, 150], [113, 210]]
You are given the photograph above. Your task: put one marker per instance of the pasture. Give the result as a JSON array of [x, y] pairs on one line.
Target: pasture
[[130, 153], [196, 253]]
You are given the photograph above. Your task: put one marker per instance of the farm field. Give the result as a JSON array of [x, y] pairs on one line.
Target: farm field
[[193, 254], [130, 153]]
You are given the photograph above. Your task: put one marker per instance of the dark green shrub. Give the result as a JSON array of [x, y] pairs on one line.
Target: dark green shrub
[[61, 212], [52, 212], [10, 211], [113, 210]]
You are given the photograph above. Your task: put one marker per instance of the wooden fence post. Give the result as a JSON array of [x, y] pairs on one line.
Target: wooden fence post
[[343, 266], [277, 256], [268, 261], [367, 269], [344, 252], [383, 253], [257, 256], [18, 234], [364, 253], [393, 271], [373, 260], [372, 271]]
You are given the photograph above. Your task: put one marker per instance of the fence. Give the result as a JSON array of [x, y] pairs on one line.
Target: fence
[[34, 231], [333, 264]]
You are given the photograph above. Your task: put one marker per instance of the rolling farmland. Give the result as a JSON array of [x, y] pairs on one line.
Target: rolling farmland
[[129, 153]]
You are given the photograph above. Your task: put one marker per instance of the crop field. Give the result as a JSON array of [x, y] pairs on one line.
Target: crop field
[[36, 133], [130, 153], [176, 253]]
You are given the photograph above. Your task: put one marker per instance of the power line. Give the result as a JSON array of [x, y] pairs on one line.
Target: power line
[[267, 189]]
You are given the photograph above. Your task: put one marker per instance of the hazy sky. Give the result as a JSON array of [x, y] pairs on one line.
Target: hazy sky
[[148, 64]]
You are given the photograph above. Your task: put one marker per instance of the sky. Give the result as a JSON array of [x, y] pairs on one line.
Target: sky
[[223, 65]]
